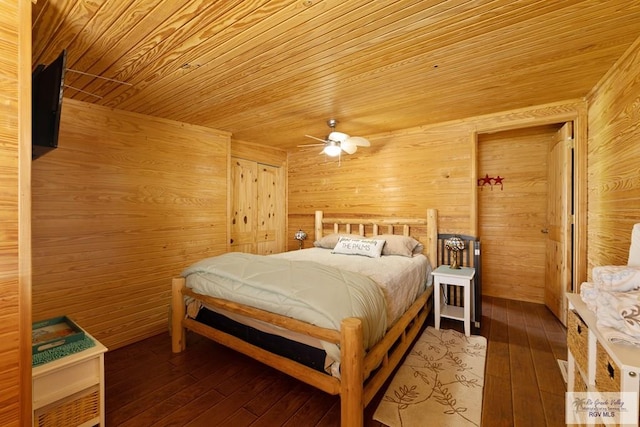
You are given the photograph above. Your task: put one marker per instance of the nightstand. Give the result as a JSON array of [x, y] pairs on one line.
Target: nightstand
[[443, 277], [70, 391]]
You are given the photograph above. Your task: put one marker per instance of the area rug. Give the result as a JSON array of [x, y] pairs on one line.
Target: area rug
[[440, 382]]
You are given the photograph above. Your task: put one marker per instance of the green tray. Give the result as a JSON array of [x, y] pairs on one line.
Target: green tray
[[55, 332]]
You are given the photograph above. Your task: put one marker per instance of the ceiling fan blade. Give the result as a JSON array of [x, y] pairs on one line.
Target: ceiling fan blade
[[337, 136], [359, 141], [311, 145], [348, 146], [313, 137]]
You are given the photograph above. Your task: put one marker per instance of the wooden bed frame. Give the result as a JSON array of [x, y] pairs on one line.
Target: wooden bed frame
[[362, 374]]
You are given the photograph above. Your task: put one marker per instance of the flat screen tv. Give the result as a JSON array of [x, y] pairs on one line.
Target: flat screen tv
[[46, 105]]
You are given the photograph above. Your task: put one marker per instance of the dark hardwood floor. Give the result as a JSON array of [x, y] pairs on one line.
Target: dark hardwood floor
[[210, 385]]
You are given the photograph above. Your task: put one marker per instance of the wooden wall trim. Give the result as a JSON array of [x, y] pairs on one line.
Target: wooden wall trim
[[229, 199], [581, 189], [15, 237], [259, 153], [24, 230], [555, 112], [473, 211]]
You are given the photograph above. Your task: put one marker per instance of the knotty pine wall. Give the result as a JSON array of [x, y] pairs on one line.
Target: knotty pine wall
[[614, 161], [15, 240], [123, 204]]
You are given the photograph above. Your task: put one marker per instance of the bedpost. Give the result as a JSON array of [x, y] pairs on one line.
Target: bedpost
[[177, 314], [432, 237], [318, 226], [352, 373]]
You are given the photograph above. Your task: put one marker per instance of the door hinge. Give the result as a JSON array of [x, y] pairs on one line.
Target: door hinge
[[570, 142]]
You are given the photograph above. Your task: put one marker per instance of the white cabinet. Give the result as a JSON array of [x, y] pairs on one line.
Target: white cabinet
[[595, 364], [70, 391]]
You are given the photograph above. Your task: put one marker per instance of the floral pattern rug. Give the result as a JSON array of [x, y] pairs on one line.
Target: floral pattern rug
[[440, 382]]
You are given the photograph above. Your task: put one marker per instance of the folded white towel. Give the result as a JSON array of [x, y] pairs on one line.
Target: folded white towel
[[589, 294], [631, 317], [614, 336], [620, 278], [618, 316]]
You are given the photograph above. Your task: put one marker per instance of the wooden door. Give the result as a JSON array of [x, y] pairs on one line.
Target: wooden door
[[559, 228], [258, 219], [512, 211], [243, 205], [271, 213]]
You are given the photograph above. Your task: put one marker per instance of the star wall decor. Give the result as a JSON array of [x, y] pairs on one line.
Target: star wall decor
[[491, 181]]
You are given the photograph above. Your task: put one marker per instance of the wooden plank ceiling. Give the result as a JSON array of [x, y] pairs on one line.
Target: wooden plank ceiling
[[271, 71]]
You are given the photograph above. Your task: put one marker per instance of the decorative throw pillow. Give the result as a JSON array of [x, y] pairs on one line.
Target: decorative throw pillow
[[400, 245], [331, 240], [368, 247]]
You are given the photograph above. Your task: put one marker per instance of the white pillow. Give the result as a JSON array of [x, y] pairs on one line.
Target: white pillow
[[397, 244], [352, 246]]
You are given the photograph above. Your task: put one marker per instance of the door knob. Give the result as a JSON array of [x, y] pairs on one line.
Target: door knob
[[545, 231]]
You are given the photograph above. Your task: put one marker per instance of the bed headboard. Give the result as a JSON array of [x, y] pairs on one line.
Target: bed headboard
[[426, 229]]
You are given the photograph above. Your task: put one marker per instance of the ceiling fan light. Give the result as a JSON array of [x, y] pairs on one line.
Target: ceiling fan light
[[337, 142], [332, 150]]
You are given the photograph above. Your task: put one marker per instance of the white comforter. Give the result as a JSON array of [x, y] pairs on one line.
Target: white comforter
[[315, 293], [401, 279]]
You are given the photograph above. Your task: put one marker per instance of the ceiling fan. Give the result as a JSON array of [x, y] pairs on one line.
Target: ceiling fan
[[337, 142]]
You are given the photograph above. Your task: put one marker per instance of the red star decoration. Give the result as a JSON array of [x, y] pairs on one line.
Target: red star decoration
[[498, 180], [484, 181]]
